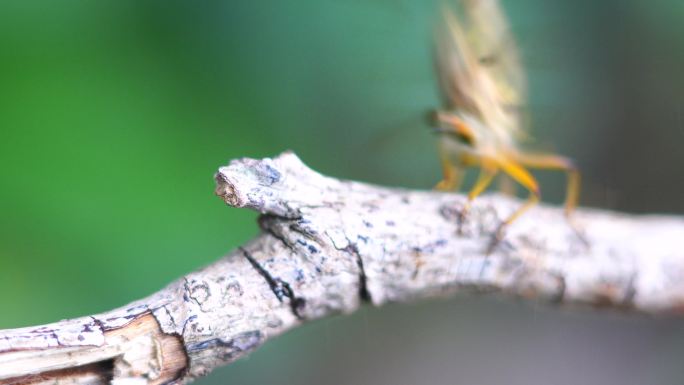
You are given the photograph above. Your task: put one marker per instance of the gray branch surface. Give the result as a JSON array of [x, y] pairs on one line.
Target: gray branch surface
[[327, 247]]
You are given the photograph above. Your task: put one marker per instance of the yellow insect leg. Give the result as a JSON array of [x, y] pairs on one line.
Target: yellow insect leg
[[484, 179], [522, 176], [488, 171], [452, 175], [556, 162]]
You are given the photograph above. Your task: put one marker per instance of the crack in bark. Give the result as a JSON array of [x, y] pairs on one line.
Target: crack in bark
[[275, 235], [279, 287], [297, 228], [264, 224], [364, 294], [168, 313], [230, 349]]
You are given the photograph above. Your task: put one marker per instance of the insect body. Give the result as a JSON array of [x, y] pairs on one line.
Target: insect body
[[483, 87]]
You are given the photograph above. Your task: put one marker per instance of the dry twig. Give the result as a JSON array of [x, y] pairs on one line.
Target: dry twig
[[327, 246]]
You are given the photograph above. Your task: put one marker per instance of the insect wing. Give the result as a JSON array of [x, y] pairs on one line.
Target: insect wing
[[479, 68]]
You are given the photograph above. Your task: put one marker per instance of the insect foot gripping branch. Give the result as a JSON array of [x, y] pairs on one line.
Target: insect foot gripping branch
[[483, 89]]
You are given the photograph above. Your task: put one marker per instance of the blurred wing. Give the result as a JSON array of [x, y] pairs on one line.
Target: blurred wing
[[479, 67], [456, 66], [493, 42]]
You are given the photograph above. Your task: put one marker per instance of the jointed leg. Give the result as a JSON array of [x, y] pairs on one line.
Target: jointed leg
[[452, 175], [483, 181], [555, 162], [522, 176], [488, 171]]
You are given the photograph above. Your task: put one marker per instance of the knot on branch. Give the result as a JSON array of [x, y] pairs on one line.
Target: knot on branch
[[277, 186]]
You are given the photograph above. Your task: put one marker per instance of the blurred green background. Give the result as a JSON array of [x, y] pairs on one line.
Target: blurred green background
[[114, 116]]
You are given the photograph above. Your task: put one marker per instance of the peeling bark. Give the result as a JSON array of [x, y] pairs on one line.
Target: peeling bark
[[327, 246]]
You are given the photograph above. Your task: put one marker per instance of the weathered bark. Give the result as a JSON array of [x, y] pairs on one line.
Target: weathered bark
[[327, 246]]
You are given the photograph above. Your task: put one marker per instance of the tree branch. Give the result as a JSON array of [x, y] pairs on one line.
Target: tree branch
[[327, 246]]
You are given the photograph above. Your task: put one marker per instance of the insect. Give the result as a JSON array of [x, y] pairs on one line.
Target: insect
[[483, 88]]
